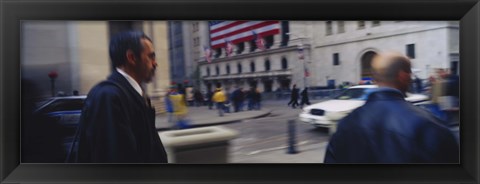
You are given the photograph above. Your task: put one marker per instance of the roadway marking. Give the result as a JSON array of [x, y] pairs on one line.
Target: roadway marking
[[275, 148]]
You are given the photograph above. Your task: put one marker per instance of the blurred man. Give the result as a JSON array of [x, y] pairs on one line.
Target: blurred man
[[118, 123], [388, 129], [294, 97], [219, 98]]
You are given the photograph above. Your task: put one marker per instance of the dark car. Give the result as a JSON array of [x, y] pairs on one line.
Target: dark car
[[51, 131]]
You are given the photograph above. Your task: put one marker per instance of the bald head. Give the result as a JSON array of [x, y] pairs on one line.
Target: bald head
[[392, 70]]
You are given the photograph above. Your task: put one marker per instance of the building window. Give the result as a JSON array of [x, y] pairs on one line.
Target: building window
[[239, 68], [336, 59], [252, 67], [240, 47], [267, 65], [228, 69], [268, 41], [208, 71], [284, 63], [411, 51], [218, 52], [361, 24], [195, 26], [375, 23], [285, 36], [196, 41], [341, 26], [253, 45], [217, 70], [328, 25]]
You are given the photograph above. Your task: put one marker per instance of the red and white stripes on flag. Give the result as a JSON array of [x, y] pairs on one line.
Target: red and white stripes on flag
[[240, 31], [229, 48], [208, 53]]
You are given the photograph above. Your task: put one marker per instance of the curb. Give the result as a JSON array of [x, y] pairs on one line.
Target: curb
[[269, 111]]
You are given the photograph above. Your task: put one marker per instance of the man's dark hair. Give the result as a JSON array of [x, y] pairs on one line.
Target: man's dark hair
[[122, 42]]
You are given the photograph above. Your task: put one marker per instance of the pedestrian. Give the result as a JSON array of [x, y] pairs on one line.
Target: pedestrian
[[179, 109], [294, 97], [209, 99], [169, 106], [256, 98], [189, 95], [117, 124], [219, 98], [418, 84], [304, 99], [388, 129], [250, 98], [237, 99], [198, 96]]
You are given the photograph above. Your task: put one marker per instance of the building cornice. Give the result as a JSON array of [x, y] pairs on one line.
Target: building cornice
[[381, 35], [276, 73], [256, 54]]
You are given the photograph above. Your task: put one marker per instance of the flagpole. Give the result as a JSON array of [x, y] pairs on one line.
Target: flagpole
[[300, 46]]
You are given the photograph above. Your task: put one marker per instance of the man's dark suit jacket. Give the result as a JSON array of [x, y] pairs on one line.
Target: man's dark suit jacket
[[118, 126]]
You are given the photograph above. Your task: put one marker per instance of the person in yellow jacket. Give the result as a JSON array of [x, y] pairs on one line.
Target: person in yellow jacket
[[219, 98], [176, 103]]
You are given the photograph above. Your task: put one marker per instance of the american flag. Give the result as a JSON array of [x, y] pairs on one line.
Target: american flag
[[229, 48], [259, 41], [208, 53], [240, 31], [300, 52]]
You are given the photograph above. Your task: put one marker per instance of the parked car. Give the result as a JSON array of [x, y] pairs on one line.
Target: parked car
[[60, 118], [328, 113], [65, 110]]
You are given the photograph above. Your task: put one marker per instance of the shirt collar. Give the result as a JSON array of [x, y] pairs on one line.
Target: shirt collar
[[381, 89], [132, 81]]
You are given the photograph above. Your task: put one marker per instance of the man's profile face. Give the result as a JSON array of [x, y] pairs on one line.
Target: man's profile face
[[147, 64]]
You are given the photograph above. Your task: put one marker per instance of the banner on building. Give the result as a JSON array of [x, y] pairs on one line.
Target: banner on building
[[208, 53], [259, 42], [229, 48], [240, 31]]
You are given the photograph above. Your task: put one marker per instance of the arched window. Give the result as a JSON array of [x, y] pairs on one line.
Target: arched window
[[252, 66], [268, 41], [239, 68], [240, 47], [217, 70], [228, 69], [218, 53], [267, 65], [284, 63]]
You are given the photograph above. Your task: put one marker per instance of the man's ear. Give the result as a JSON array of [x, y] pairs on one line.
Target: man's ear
[[130, 57]]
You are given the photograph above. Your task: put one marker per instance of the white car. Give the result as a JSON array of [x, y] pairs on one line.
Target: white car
[[328, 113]]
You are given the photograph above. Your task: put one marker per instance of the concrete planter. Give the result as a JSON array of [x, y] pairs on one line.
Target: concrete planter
[[198, 145]]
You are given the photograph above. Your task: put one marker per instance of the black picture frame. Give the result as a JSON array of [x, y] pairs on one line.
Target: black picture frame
[[13, 12]]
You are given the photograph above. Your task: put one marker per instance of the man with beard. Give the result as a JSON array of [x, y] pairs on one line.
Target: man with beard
[[118, 122]]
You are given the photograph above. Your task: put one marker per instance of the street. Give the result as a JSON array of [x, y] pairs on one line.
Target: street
[[265, 139]]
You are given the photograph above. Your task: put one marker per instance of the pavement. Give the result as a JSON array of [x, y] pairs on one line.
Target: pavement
[[202, 116]]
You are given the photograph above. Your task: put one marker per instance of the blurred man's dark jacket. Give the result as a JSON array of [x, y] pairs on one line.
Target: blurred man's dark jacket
[[388, 129], [118, 126]]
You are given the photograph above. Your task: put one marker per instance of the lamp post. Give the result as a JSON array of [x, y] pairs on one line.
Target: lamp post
[[301, 56], [53, 75]]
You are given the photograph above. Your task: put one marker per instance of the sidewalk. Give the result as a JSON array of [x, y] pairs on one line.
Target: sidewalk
[[202, 116], [307, 152]]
